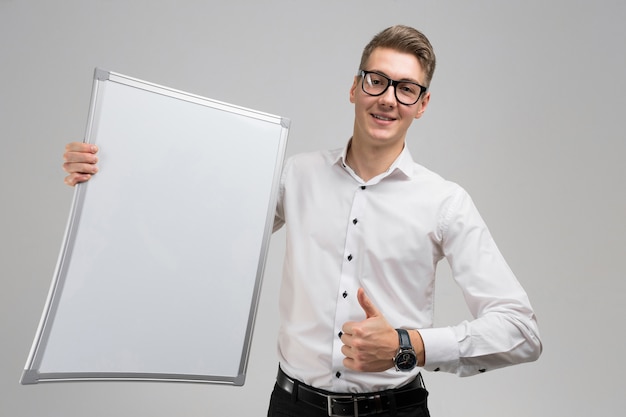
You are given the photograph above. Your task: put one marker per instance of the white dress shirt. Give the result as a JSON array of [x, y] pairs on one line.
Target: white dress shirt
[[387, 235]]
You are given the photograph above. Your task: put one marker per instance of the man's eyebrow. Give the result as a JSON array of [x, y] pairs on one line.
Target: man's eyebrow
[[411, 80]]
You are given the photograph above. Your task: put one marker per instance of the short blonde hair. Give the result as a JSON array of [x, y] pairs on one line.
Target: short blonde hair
[[404, 39]]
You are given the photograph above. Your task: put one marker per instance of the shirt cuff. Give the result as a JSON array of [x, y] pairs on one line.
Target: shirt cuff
[[441, 349]]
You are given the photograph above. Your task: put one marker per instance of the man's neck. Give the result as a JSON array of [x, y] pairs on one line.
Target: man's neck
[[368, 162]]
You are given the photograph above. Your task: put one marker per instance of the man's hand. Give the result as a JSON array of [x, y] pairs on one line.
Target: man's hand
[[79, 162], [369, 345]]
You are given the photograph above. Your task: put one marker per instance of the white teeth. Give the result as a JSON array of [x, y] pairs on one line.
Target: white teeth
[[382, 118]]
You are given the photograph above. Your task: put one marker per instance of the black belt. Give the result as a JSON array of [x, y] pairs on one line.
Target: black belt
[[412, 394]]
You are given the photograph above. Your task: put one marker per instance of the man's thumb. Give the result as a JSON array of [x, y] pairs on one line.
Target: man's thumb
[[366, 304]]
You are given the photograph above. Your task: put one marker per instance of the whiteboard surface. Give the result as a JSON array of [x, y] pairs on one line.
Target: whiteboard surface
[[160, 270]]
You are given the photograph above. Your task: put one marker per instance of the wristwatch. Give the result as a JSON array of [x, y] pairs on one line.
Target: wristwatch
[[405, 359]]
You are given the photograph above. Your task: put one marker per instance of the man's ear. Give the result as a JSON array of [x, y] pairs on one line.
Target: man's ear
[[423, 103], [353, 89]]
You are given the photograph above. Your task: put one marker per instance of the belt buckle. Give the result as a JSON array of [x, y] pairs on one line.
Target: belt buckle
[[333, 398], [355, 406]]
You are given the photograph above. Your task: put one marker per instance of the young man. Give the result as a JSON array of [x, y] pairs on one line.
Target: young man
[[366, 226]]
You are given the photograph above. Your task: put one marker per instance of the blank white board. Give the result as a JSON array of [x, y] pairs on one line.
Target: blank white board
[[162, 261]]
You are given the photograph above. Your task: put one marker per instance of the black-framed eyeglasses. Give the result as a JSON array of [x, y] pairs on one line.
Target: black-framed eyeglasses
[[406, 92]]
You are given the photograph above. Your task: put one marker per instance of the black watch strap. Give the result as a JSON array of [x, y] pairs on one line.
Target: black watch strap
[[405, 339]]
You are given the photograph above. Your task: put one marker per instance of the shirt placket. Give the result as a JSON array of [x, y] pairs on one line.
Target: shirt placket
[[349, 279]]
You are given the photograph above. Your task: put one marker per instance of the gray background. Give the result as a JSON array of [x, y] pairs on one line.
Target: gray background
[[526, 113]]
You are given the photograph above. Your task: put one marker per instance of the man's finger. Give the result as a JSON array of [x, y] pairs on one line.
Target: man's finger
[[81, 157], [79, 168], [74, 179], [81, 147]]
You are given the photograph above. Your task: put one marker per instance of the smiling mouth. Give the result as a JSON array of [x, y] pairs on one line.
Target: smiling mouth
[[379, 117]]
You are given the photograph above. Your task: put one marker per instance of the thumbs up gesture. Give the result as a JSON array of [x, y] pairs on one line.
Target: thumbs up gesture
[[369, 345]]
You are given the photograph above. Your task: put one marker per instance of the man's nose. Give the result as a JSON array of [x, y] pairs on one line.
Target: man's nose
[[389, 96]]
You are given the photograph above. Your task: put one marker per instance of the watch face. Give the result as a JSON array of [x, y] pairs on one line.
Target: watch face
[[406, 360]]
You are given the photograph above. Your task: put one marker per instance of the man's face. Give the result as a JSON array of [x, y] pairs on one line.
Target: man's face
[[381, 121]]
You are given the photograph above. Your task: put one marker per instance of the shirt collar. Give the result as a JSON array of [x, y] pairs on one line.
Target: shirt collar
[[403, 165]]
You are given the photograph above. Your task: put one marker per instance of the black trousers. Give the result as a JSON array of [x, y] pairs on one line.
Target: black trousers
[[283, 405]]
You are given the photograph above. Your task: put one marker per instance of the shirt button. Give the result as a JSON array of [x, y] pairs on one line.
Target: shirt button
[[363, 187], [349, 257], [338, 374], [345, 294], [355, 221]]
